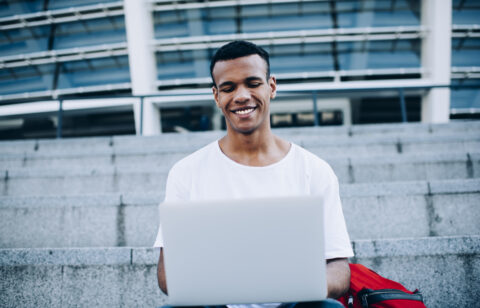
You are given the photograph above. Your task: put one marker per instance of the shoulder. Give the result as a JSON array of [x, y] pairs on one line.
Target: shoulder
[[196, 159], [312, 160], [317, 170]]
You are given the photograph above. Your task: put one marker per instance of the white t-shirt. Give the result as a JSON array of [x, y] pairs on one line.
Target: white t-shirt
[[209, 174]]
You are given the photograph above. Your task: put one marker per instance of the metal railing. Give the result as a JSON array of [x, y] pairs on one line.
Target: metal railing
[[333, 75], [64, 55], [170, 98], [58, 16], [466, 31], [168, 5], [291, 37], [314, 93]]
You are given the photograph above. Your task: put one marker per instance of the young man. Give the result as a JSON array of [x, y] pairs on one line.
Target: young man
[[250, 161]]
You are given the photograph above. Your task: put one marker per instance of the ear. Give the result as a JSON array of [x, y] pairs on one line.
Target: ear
[[215, 95], [272, 82]]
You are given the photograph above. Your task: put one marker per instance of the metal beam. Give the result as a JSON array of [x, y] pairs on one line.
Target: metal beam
[[215, 41], [162, 5], [100, 10], [403, 106], [466, 31], [304, 76], [60, 119], [291, 37], [62, 92], [64, 55], [472, 72], [202, 96]]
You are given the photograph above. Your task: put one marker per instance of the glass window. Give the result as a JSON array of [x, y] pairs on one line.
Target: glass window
[[465, 93], [170, 24], [465, 12], [25, 40], [380, 13], [10, 8], [94, 72], [173, 65], [90, 33], [465, 52], [26, 79], [379, 54]]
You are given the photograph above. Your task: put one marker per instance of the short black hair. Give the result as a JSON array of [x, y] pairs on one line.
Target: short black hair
[[238, 49]]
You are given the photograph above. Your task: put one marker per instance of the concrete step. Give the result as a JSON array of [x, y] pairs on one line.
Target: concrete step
[[372, 211], [189, 141], [394, 129], [143, 176], [143, 150], [445, 269]]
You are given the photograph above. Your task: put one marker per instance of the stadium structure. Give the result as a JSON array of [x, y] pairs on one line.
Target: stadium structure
[[79, 216], [85, 68]]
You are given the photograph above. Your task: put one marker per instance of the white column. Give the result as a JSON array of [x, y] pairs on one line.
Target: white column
[[142, 62], [436, 17]]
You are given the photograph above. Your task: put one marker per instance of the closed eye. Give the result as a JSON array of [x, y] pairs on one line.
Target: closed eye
[[226, 89], [253, 82]]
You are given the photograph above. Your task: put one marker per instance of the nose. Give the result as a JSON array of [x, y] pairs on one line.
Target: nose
[[242, 95]]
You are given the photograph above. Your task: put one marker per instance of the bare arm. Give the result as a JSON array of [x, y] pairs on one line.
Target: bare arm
[[162, 281], [338, 277]]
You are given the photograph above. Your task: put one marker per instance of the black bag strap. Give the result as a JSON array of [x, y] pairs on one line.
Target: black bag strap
[[369, 297]]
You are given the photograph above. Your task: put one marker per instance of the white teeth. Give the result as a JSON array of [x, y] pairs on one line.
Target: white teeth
[[244, 111]]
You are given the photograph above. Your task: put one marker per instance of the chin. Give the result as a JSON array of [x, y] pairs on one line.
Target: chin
[[247, 132], [244, 131]]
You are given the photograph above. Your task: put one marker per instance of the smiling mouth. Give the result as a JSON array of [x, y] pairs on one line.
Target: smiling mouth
[[244, 111]]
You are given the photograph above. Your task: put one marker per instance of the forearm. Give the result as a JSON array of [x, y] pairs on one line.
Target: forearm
[[162, 281], [338, 277]]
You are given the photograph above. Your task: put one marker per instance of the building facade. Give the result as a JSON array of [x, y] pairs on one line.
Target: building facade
[[82, 68]]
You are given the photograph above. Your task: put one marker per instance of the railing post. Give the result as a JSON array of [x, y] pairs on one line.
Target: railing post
[[60, 119], [315, 109], [403, 107], [141, 115]]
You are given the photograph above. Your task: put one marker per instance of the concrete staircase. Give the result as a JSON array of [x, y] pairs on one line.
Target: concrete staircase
[[77, 215]]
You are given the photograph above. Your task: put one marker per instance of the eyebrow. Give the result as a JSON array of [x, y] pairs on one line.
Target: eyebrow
[[226, 83], [253, 78], [248, 79]]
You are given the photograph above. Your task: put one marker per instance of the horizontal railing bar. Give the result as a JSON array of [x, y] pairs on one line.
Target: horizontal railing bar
[[205, 42], [162, 6], [456, 27], [290, 37], [457, 73], [464, 110], [64, 92], [100, 10], [318, 86], [304, 75], [64, 55], [333, 33], [470, 72]]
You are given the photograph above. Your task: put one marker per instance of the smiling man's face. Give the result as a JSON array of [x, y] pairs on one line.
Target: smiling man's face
[[243, 93]]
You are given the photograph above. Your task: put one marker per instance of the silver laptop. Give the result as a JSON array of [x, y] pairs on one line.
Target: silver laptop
[[244, 251]]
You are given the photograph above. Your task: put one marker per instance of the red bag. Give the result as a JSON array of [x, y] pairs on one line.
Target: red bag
[[369, 289]]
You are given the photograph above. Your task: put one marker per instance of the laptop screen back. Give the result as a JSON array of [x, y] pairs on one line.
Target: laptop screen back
[[244, 251]]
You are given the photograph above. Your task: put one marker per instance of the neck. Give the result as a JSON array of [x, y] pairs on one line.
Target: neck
[[252, 143], [260, 148]]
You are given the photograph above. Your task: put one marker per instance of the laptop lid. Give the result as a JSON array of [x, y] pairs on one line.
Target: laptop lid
[[244, 251]]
